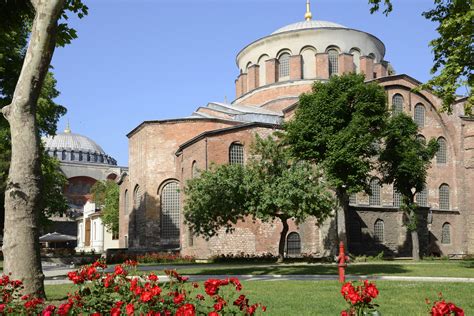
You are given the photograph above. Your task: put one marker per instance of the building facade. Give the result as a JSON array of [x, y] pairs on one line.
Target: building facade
[[273, 72], [84, 163]]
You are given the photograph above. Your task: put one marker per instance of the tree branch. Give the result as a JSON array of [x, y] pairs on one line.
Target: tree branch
[[35, 4], [6, 111]]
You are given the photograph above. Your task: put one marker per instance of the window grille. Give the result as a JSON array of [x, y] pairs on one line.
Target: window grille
[[73, 155], [170, 207], [397, 104], [419, 116], [333, 56], [137, 197], [353, 199], [293, 244], [80, 156], [446, 233], [421, 198], [441, 154], [236, 154], [444, 197], [63, 155], [284, 66], [378, 231], [397, 198], [374, 198]]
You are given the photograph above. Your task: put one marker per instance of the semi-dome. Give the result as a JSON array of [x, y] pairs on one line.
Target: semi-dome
[[310, 24], [68, 146]]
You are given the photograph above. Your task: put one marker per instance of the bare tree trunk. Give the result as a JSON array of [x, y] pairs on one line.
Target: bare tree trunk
[[22, 196], [281, 244], [342, 216], [415, 245]]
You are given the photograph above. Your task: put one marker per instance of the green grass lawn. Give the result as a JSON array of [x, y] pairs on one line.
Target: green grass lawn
[[438, 269], [323, 297]]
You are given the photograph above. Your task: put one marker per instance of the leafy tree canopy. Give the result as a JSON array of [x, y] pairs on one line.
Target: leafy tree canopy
[[338, 126], [453, 50], [105, 195], [272, 185]]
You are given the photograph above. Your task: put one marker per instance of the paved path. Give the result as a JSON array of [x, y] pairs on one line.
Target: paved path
[[57, 275]]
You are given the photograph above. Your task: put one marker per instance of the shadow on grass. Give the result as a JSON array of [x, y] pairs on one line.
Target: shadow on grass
[[366, 269]]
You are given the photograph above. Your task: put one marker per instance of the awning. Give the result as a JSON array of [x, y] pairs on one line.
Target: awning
[[56, 237]]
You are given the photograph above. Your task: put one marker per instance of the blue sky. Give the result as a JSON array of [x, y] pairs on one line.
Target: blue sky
[[138, 60]]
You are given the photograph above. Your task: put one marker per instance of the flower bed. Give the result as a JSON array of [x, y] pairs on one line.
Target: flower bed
[[115, 294]]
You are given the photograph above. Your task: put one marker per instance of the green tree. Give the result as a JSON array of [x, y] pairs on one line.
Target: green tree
[[271, 186], [39, 19], [105, 195], [404, 161], [453, 50], [338, 127]]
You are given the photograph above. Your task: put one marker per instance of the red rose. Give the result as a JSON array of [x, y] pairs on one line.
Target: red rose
[[186, 310], [146, 296], [115, 311], [178, 298], [152, 277], [119, 270], [370, 289], [130, 309], [213, 314], [344, 313]]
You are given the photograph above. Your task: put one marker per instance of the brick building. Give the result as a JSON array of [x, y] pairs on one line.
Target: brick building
[[273, 72]]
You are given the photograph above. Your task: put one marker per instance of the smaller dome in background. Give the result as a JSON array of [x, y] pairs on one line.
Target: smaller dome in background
[[311, 24], [71, 147]]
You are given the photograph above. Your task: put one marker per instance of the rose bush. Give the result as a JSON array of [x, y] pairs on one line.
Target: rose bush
[[443, 308], [359, 298], [117, 293]]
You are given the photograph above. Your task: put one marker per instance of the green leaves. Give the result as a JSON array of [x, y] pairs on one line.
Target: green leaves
[[272, 185], [105, 195], [338, 126]]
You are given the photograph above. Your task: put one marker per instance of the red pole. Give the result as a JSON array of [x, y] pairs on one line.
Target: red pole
[[342, 258]]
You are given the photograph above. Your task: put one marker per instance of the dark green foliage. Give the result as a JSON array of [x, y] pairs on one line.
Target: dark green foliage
[[404, 160], [453, 50], [105, 195], [339, 126], [54, 181], [272, 185]]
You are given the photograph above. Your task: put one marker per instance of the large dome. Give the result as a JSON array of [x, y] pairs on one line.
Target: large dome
[[311, 24], [70, 147]]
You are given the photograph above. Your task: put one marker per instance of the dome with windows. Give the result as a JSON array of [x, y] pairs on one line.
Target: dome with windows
[[71, 147], [310, 24]]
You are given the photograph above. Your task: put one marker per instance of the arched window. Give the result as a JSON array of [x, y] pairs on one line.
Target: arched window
[[374, 198], [446, 233], [444, 197], [397, 104], [421, 198], [236, 154], [333, 56], [441, 154], [293, 244], [126, 202], [170, 209], [194, 170], [80, 156], [262, 70], [397, 198], [73, 155], [419, 116], [88, 157], [356, 59], [137, 198], [284, 66], [63, 155], [308, 56], [421, 139], [379, 231]]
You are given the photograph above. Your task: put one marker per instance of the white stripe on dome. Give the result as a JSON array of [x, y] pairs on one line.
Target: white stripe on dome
[[312, 24]]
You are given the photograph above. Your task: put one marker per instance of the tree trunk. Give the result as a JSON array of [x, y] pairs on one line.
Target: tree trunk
[[342, 216], [281, 244], [415, 245], [22, 195]]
